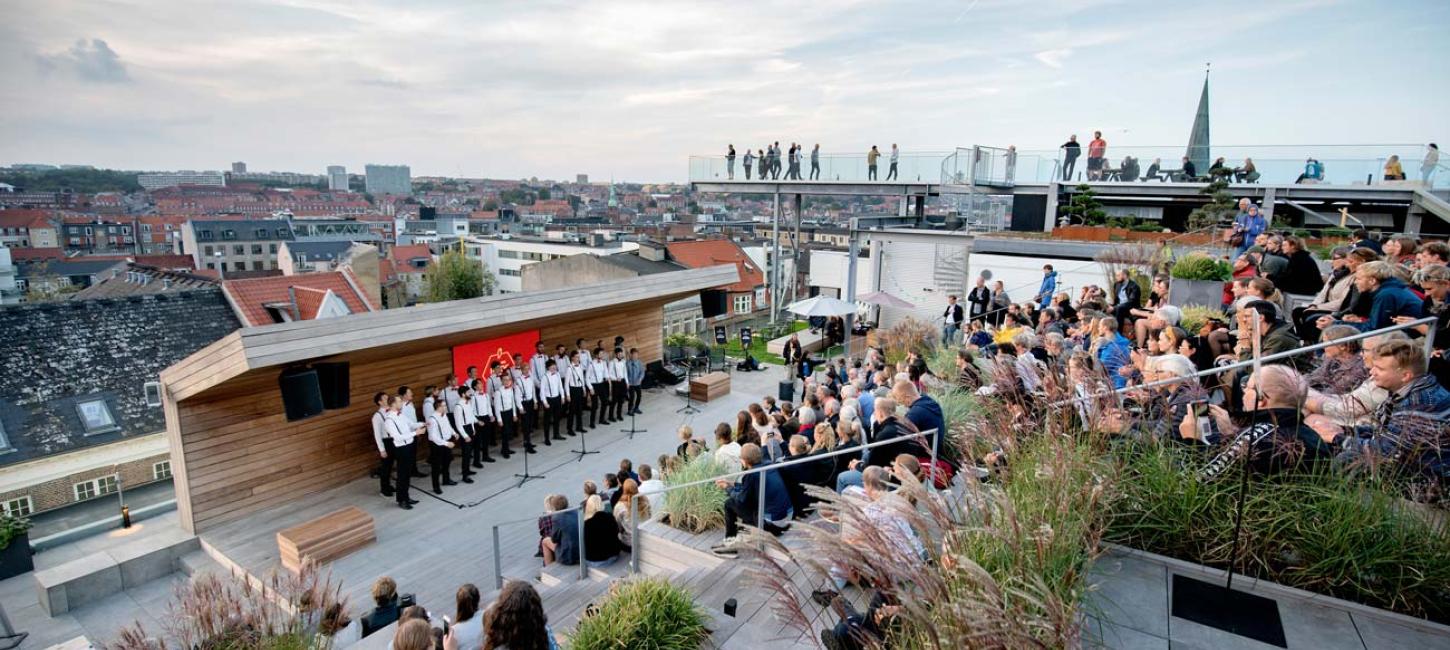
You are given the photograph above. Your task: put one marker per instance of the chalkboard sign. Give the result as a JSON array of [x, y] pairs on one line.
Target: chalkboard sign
[[720, 335], [745, 337]]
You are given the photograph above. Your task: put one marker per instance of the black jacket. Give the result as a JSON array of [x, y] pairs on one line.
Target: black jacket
[[381, 617], [892, 429], [1302, 276], [979, 298], [1133, 293]]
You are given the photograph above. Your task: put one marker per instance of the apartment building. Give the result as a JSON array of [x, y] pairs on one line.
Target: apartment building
[[243, 245]]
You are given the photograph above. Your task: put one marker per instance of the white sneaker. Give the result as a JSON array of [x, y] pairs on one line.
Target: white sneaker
[[726, 547]]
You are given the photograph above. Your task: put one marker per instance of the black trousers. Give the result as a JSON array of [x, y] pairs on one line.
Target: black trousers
[[507, 426], [891, 172], [815, 170], [553, 414], [385, 468], [484, 438], [871, 172], [636, 394], [599, 404], [618, 395], [407, 456], [468, 448], [1067, 167], [733, 519], [526, 426], [439, 458], [575, 423], [1305, 324]]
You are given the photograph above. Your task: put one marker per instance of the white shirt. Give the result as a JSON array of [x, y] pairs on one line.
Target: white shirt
[[538, 365], [494, 382], [410, 415], [616, 370], [648, 489], [506, 399], [576, 376], [463, 413], [400, 429], [729, 455], [427, 407], [380, 429], [450, 396], [525, 386], [551, 386], [482, 407], [439, 431], [596, 371]]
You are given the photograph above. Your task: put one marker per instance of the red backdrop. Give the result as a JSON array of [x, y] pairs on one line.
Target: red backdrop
[[502, 348]]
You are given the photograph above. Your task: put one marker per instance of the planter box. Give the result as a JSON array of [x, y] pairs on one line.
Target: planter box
[[1205, 293], [1081, 233], [15, 559]]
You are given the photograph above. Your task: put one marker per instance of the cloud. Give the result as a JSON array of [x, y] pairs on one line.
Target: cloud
[[1052, 58], [91, 60]]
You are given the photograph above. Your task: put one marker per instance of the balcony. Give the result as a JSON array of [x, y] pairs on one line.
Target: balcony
[[915, 167]]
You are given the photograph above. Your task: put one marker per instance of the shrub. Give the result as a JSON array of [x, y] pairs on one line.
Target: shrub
[[701, 507], [683, 341], [1194, 316], [11, 528], [909, 335], [645, 613], [1083, 208], [1200, 266]]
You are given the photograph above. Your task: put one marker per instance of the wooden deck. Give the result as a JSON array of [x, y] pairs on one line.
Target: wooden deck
[[439, 545]]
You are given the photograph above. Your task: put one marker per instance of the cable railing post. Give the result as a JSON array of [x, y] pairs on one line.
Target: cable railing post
[[931, 474], [760, 505], [497, 561], [634, 533], [583, 563], [1429, 345]]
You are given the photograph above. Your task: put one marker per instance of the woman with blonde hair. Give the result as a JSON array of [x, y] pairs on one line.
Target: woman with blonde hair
[[825, 436], [622, 513], [413, 634]]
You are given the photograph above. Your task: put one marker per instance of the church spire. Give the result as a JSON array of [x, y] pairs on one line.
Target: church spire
[[1198, 140]]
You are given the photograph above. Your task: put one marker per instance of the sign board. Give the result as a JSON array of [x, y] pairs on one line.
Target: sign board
[[745, 337], [720, 335]]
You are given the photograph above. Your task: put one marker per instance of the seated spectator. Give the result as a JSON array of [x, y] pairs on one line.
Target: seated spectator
[[1112, 350], [590, 489], [797, 476], [922, 410], [686, 436], [1331, 297], [650, 486], [562, 546], [610, 495], [808, 419], [883, 515], [885, 426], [727, 450], [1400, 250], [1264, 289], [601, 534], [1409, 431], [848, 435], [1357, 406], [1167, 405], [1436, 281], [856, 631], [623, 515], [626, 470], [1302, 277], [1391, 297], [1341, 367], [744, 498], [1157, 298], [1029, 369], [339, 629], [1434, 253], [386, 609], [546, 524], [467, 625], [415, 634], [1276, 438], [516, 621], [969, 377], [1274, 335]]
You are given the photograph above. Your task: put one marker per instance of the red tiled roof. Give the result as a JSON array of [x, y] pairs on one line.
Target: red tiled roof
[[402, 255], [25, 219], [309, 302], [35, 254], [251, 296], [386, 273], [704, 253]]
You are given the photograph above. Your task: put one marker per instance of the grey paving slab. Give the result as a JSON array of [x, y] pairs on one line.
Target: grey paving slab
[[1130, 593], [1098, 634], [104, 619], [44, 631], [1379, 634]]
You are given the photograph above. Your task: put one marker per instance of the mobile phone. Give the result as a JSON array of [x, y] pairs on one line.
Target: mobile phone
[[446, 623]]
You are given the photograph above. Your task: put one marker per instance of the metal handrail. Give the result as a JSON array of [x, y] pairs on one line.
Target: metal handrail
[[761, 470], [498, 557], [1429, 345]]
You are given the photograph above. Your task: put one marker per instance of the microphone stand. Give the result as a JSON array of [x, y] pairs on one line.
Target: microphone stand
[[526, 476], [583, 449], [689, 407], [631, 430]]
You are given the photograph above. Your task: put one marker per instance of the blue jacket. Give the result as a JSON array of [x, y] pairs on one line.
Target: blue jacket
[[1046, 289], [1409, 431], [868, 405], [634, 372], [745, 496], [1250, 226], [926, 414], [1392, 299], [566, 537], [1115, 354]]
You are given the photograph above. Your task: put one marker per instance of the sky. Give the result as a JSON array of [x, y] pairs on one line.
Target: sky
[[629, 90]]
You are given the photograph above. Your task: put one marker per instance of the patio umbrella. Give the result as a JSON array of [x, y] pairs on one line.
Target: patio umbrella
[[821, 306], [883, 299]]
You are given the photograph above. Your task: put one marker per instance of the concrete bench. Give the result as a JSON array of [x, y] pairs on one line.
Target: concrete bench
[[326, 538], [810, 342], [131, 564]]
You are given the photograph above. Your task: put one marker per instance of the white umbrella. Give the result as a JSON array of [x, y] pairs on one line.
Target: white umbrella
[[821, 306], [883, 299]]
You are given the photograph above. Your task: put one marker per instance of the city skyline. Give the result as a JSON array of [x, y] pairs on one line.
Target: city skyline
[[631, 90]]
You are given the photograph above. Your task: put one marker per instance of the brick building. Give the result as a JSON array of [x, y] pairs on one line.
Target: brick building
[[80, 409]]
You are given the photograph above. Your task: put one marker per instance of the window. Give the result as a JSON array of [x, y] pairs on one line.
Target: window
[[261, 233], [742, 304], [257, 265], [282, 233], [161, 470], [152, 390], [271, 248], [211, 265], [508, 255], [239, 250], [96, 416], [256, 249], [204, 235], [4, 441], [88, 231], [229, 234], [95, 487], [207, 251], [145, 228], [509, 272], [17, 507]]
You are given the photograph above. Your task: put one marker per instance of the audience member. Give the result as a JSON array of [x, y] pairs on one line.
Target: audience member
[[601, 534], [386, 608], [745, 497]]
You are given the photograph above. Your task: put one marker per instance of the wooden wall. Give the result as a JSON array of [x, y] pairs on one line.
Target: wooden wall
[[234, 453]]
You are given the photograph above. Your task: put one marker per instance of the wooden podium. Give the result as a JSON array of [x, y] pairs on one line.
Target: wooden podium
[[711, 386], [326, 538]]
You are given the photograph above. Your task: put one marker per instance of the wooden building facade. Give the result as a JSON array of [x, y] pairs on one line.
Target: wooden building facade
[[233, 452]]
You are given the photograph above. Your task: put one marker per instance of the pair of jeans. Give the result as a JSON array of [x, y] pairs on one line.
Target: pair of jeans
[[949, 333]]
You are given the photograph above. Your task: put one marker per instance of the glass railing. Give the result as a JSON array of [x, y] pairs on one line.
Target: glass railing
[[915, 167], [1262, 164]]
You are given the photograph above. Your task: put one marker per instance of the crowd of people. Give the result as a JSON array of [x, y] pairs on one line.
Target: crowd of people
[[767, 163], [1099, 167], [515, 620], [467, 419], [1132, 369]]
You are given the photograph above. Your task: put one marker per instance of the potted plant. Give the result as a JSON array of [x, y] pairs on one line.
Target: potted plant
[[644, 613], [1198, 280], [14, 547]]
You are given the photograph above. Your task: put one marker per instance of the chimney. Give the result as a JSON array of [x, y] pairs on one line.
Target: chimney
[[651, 250]]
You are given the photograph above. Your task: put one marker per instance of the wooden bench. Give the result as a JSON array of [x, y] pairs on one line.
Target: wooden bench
[[326, 538], [710, 386]]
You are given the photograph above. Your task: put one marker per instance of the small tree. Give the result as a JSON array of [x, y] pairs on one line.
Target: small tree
[[453, 276], [1220, 208], [1084, 208]]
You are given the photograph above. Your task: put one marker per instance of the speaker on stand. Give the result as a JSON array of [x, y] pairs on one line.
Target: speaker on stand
[[301, 393]]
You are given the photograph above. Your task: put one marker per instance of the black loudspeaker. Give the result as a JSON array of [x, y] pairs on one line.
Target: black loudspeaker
[[713, 302], [332, 379], [301, 394], [786, 392]]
